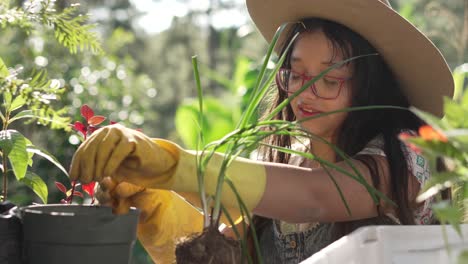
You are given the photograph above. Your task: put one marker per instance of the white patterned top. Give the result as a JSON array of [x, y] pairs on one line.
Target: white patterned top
[[419, 168]]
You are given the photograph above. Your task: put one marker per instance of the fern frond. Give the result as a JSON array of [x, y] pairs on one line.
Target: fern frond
[[72, 32], [70, 28]]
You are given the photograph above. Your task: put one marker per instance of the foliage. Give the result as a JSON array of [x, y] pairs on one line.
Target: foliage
[[444, 22], [220, 116], [69, 27], [91, 124], [447, 140], [27, 99], [31, 98]]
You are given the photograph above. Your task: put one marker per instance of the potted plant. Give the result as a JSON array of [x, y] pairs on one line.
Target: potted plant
[[51, 233], [22, 100], [444, 143], [210, 244]]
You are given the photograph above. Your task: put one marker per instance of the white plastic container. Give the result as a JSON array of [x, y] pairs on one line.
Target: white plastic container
[[394, 245]]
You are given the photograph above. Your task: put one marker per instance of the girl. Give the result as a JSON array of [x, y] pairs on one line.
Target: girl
[[370, 137], [297, 206]]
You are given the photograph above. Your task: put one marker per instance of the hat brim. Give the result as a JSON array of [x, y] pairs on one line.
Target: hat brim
[[418, 65]]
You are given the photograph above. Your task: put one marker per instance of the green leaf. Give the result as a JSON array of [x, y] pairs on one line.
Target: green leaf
[[407, 11], [3, 70], [43, 153], [260, 87], [464, 100], [36, 183], [7, 97], [6, 142], [38, 78], [218, 120], [56, 121], [463, 257], [217, 77], [18, 102], [447, 213], [455, 114], [2, 117], [459, 75], [458, 138], [438, 182], [13, 145], [24, 114], [240, 72], [438, 148]]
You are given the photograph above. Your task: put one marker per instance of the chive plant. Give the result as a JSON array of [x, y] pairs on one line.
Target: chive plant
[[250, 134]]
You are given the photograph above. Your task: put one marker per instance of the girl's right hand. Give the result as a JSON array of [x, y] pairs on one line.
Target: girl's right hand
[[165, 216]]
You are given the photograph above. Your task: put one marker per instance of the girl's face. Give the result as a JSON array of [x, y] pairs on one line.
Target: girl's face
[[312, 54]]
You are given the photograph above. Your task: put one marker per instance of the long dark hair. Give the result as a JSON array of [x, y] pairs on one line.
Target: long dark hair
[[373, 83]]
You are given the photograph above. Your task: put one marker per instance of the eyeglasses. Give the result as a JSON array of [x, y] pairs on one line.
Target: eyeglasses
[[327, 87]]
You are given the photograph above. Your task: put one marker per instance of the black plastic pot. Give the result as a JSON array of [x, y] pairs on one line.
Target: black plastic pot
[[10, 235], [76, 234]]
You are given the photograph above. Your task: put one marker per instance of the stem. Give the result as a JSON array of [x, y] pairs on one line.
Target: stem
[[5, 157], [445, 238], [72, 191], [221, 178], [243, 242], [245, 213], [259, 92], [343, 198], [444, 230], [5, 178], [201, 140]]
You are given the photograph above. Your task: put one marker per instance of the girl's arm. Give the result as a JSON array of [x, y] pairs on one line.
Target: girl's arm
[[298, 195]]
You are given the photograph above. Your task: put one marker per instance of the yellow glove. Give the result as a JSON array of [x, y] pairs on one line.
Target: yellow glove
[[164, 216], [128, 155]]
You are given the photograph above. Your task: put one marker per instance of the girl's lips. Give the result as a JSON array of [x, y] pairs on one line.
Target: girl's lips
[[307, 112]]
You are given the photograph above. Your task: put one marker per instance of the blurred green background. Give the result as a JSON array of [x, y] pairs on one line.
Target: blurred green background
[[145, 79]]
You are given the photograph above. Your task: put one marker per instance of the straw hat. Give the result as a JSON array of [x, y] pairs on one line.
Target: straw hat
[[419, 66]]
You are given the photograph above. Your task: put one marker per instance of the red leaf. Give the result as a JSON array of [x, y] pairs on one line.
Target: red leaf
[[80, 127], [96, 120], [112, 122], [78, 193], [86, 112], [92, 129], [89, 188], [61, 187]]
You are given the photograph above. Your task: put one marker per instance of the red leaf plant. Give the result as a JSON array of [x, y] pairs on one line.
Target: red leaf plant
[[91, 124]]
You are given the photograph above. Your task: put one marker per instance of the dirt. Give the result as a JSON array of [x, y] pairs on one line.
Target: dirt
[[209, 247]]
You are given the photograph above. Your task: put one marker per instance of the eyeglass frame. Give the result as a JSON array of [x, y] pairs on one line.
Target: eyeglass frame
[[306, 78]]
